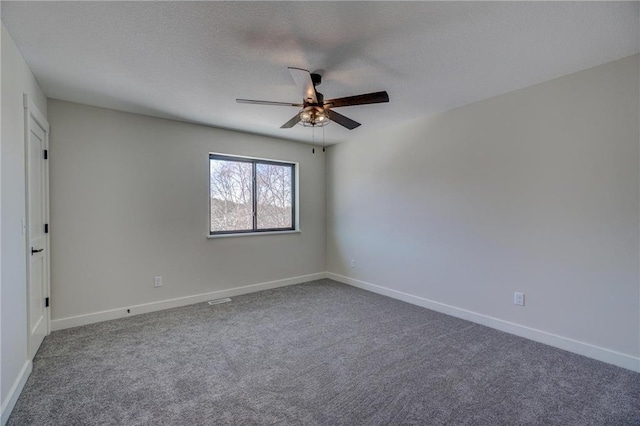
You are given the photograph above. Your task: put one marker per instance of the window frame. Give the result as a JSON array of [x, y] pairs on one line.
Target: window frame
[[254, 161]]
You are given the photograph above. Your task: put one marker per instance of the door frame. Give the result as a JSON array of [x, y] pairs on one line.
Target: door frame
[[31, 111]]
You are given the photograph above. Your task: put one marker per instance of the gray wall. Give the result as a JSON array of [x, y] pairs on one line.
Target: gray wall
[[16, 80], [129, 201], [535, 191]]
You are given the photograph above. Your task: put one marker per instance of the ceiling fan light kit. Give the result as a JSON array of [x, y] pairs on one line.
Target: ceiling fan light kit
[[313, 116], [316, 112]]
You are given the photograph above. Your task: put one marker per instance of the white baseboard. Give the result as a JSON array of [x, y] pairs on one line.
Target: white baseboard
[[601, 354], [75, 321], [581, 348], [14, 392]]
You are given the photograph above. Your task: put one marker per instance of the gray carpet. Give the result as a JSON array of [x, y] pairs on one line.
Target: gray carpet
[[315, 353]]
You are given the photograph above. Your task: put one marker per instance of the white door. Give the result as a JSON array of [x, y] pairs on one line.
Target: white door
[[38, 244]]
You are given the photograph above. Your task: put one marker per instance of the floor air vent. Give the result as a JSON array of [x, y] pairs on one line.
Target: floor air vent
[[219, 301]]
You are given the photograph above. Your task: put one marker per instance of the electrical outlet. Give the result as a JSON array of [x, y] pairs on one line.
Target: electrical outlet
[[353, 263], [518, 298], [157, 282]]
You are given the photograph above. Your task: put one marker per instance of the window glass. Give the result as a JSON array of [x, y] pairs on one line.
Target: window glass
[[231, 195], [274, 195]]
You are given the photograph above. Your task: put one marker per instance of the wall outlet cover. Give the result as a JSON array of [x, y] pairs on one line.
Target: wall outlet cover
[[518, 298]]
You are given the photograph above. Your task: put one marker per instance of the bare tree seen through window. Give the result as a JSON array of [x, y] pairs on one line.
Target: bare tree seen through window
[[231, 195], [274, 196]]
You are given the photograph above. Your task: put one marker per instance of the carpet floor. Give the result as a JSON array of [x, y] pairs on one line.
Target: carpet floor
[[320, 353]]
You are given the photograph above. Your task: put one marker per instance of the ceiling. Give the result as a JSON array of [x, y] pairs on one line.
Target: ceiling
[[191, 60]]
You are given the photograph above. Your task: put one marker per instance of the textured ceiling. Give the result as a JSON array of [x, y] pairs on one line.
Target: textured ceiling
[[190, 60]]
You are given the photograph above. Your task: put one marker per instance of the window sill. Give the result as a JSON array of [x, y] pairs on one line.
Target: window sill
[[253, 234]]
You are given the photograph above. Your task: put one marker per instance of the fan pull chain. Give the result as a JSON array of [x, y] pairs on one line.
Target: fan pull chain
[[313, 139], [323, 139]]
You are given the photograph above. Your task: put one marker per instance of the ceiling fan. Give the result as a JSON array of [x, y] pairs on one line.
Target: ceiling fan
[[316, 112]]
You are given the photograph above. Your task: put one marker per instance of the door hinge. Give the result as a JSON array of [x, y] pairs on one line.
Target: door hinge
[[46, 154], [46, 302], [46, 228]]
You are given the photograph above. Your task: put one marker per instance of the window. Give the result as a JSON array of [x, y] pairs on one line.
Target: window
[[250, 195]]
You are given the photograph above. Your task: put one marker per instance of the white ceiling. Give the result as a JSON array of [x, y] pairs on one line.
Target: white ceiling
[[190, 60]]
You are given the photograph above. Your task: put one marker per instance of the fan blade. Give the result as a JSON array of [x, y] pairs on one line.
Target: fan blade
[[289, 124], [342, 120], [369, 98], [304, 83], [251, 101]]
